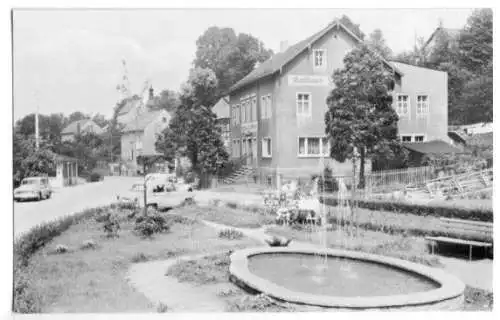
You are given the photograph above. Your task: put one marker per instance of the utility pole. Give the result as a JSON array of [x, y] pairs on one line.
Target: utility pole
[[37, 133]]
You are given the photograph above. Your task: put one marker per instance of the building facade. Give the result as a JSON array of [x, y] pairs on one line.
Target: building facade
[[277, 111], [140, 135], [80, 127]]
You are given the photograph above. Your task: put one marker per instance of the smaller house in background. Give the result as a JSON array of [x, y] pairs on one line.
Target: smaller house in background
[[477, 128], [140, 135], [221, 109], [66, 172], [417, 151], [80, 127], [452, 34]]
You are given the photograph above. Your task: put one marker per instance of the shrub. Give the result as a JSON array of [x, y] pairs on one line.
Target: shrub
[[231, 234], [148, 225], [438, 210], [259, 303], [232, 205], [60, 249], [95, 176], [161, 308], [278, 242], [111, 226], [88, 244], [139, 257]]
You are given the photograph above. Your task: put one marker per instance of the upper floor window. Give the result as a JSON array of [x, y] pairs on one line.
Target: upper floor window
[[243, 112], [422, 104], [249, 111], [319, 58], [265, 107], [403, 105], [304, 104], [254, 109]]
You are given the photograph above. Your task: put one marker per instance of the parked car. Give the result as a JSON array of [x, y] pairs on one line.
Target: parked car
[[33, 188], [159, 196]]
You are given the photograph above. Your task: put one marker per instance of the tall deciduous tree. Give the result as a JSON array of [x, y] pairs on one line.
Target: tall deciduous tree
[[29, 162], [476, 40], [360, 121], [229, 56], [192, 131], [377, 43], [77, 115], [50, 126], [167, 100]]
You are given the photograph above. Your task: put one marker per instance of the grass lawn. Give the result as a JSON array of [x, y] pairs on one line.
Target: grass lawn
[[234, 217], [94, 280]]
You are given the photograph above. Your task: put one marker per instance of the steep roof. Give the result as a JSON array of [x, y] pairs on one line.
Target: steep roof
[[72, 128], [455, 135], [279, 60], [129, 105], [142, 121], [452, 33], [221, 108], [432, 147], [408, 68]]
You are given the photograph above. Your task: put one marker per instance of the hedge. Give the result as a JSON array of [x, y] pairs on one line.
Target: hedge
[[414, 231], [437, 210]]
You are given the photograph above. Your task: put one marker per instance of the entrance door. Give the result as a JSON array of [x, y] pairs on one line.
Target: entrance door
[[254, 151], [249, 151]]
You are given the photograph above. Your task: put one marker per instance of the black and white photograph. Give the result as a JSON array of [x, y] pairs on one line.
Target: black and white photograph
[[241, 160]]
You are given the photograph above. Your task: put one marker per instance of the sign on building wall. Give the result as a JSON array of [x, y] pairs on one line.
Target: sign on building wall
[[308, 80], [249, 128]]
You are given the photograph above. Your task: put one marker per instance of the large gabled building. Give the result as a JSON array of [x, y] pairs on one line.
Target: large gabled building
[[277, 111]]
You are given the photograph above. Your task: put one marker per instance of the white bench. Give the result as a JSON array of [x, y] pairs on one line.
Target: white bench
[[464, 226]]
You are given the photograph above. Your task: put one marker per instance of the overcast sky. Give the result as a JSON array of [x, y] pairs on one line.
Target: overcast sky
[[72, 59]]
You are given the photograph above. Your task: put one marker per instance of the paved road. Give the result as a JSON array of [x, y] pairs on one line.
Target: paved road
[[69, 200]]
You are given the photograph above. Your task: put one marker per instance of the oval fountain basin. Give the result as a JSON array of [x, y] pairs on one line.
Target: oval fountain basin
[[345, 279]]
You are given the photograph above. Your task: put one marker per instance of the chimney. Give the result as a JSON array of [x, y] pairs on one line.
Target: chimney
[[78, 128], [283, 46], [151, 93]]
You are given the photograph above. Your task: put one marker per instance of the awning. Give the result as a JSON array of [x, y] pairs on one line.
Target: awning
[[432, 147]]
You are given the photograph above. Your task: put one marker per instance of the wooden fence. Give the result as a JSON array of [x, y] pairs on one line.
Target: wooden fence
[[389, 180]]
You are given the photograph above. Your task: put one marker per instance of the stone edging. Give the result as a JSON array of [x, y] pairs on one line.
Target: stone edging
[[451, 287]]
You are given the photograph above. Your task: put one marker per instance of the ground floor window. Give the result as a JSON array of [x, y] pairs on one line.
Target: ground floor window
[[313, 146], [412, 138], [406, 138]]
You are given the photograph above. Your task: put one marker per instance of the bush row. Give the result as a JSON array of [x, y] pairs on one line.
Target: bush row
[[409, 230], [437, 210]]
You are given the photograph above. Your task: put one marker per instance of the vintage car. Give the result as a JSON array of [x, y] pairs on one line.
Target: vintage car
[[33, 188]]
